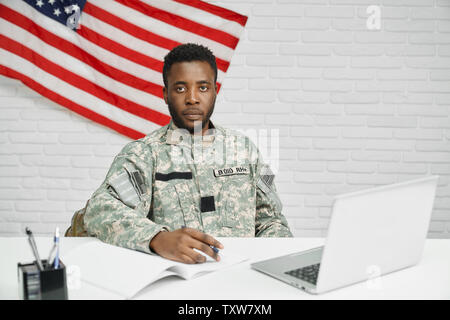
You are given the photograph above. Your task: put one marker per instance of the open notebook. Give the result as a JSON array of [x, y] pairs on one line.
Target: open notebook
[[126, 272]]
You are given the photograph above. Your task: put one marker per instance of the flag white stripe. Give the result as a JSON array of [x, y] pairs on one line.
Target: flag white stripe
[[83, 70], [120, 63], [200, 16], [164, 29], [104, 55], [144, 47], [74, 94], [122, 37]]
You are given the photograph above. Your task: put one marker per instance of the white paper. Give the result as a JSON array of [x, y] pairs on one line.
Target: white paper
[[126, 272]]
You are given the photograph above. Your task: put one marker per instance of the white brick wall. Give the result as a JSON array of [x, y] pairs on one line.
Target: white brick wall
[[354, 108]]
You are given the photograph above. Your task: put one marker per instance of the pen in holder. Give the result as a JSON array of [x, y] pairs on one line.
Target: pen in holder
[[47, 284]]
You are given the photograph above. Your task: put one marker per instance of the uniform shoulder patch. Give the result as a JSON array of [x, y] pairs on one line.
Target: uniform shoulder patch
[[266, 177], [125, 189]]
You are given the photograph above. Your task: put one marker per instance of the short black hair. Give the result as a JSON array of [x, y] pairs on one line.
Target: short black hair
[[186, 53]]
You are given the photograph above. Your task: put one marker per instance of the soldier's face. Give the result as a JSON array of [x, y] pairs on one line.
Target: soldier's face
[[191, 94]]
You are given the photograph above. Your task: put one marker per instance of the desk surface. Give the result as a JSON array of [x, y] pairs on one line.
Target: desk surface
[[430, 279]]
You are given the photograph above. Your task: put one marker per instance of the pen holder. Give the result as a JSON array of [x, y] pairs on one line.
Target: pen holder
[[49, 284]]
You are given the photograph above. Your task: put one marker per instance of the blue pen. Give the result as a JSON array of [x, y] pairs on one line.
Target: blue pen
[[56, 240], [54, 250], [214, 249]]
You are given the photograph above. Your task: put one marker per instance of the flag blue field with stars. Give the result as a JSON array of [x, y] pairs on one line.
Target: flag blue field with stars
[[63, 11]]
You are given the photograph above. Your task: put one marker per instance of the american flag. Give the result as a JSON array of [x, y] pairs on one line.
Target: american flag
[[103, 59]]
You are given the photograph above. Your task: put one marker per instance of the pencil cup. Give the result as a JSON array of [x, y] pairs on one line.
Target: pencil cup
[[49, 284]]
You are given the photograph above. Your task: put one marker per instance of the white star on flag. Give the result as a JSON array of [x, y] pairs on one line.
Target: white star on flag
[[39, 3], [56, 12]]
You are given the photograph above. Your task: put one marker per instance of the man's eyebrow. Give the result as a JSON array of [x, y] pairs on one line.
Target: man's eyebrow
[[198, 82]]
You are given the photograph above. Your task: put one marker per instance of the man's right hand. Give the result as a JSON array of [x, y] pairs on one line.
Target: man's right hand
[[179, 245]]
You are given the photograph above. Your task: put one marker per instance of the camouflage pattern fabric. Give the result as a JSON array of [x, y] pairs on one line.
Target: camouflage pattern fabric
[[215, 183], [77, 228]]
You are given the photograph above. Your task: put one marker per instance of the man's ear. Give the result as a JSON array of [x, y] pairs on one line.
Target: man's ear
[[165, 95]]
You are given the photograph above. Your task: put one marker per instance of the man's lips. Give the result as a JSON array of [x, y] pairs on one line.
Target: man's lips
[[192, 114]]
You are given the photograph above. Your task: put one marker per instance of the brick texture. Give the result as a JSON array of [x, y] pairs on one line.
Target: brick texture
[[345, 107]]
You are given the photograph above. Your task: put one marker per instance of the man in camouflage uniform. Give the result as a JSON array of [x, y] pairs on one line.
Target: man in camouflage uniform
[[179, 186]]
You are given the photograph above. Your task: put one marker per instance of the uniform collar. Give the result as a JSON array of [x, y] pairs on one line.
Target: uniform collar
[[177, 136]]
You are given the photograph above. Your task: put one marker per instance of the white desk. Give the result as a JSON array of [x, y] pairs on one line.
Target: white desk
[[430, 279]]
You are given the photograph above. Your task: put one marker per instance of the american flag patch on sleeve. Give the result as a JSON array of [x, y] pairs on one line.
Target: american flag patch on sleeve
[[266, 178]]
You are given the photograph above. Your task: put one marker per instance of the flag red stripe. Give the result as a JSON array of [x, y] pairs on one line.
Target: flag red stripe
[[129, 28], [69, 48], [131, 133], [140, 33], [81, 83], [218, 11], [183, 23], [119, 49], [222, 64]]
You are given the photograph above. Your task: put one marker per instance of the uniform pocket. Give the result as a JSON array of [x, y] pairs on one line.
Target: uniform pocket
[[237, 201], [166, 206], [173, 205], [188, 205], [227, 208]]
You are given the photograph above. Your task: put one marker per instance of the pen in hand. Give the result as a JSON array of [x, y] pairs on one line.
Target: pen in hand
[[212, 247], [186, 245], [34, 248]]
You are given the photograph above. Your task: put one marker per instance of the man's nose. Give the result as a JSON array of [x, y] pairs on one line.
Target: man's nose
[[191, 97]]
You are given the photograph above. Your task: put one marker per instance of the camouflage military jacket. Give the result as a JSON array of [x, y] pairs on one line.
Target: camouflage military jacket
[[216, 183]]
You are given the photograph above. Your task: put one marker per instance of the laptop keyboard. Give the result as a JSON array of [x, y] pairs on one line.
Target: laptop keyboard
[[308, 273]]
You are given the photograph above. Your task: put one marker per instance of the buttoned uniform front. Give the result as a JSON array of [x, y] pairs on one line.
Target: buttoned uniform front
[[216, 183]]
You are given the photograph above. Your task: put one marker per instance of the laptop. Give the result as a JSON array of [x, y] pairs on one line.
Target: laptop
[[378, 230]]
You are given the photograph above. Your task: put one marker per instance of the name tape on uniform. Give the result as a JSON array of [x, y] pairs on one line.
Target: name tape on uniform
[[230, 171]]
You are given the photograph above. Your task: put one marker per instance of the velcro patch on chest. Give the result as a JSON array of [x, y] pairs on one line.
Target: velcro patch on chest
[[230, 171]]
